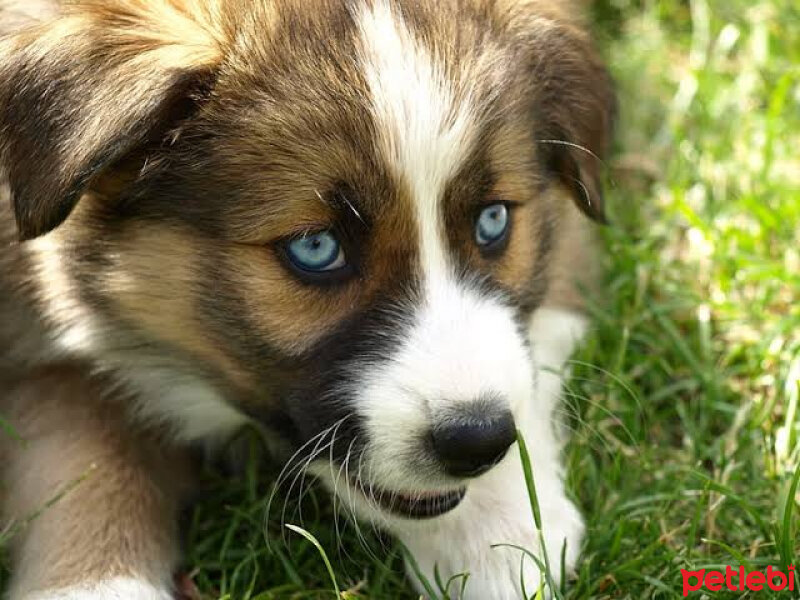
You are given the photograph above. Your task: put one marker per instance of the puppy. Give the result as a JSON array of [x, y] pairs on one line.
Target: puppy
[[359, 224]]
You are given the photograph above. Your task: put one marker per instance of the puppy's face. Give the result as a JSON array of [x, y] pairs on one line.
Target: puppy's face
[[337, 215]]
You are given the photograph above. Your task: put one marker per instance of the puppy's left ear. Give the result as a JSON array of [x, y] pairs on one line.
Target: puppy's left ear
[[576, 110], [81, 92]]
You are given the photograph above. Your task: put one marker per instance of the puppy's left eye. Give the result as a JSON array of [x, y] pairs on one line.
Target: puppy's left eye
[[316, 253], [491, 228]]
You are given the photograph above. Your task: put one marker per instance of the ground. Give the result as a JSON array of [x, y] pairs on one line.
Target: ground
[[684, 402]]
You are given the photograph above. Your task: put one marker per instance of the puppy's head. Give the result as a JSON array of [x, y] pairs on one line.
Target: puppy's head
[[336, 217]]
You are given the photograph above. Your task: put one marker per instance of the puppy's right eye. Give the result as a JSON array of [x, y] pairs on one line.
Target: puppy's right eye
[[316, 253]]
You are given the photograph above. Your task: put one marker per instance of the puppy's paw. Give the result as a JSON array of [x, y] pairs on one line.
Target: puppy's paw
[[121, 588], [488, 547]]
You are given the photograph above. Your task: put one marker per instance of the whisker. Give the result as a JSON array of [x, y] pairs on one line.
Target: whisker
[[338, 476], [303, 470], [352, 508], [575, 146], [292, 466], [355, 212], [300, 474], [287, 470], [586, 195]]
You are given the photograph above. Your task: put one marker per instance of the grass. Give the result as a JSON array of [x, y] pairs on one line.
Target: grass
[[684, 402]]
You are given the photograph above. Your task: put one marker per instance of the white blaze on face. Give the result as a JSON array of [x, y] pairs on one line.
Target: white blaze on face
[[423, 132], [460, 345]]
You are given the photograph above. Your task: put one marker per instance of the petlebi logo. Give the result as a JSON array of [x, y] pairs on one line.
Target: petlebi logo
[[738, 580]]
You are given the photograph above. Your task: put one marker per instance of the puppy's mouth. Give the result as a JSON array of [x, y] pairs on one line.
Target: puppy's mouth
[[411, 505]]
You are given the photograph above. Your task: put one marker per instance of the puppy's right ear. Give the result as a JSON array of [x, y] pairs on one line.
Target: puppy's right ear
[[79, 93]]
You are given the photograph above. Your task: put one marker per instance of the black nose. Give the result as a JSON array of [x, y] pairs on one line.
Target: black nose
[[470, 445]]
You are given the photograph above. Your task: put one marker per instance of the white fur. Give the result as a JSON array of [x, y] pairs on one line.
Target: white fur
[[496, 509], [77, 334], [496, 512], [423, 132], [194, 410], [554, 334], [461, 347], [119, 588]]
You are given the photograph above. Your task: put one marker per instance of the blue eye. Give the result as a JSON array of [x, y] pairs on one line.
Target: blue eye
[[492, 225], [317, 252]]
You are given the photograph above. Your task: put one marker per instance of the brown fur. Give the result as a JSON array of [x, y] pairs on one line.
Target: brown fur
[[79, 459], [156, 153]]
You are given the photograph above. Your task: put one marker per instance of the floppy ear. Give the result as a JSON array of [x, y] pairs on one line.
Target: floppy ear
[[81, 92], [576, 111]]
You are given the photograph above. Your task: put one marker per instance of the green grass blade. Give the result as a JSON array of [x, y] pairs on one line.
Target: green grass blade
[[419, 575], [788, 541], [7, 429], [323, 554], [527, 469]]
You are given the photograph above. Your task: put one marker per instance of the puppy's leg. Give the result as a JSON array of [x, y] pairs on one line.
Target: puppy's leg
[[477, 536], [95, 504]]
